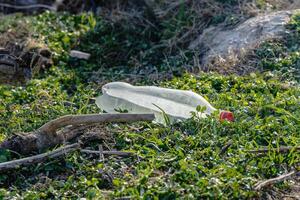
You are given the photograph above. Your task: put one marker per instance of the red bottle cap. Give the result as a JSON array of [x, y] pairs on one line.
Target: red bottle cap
[[226, 115]]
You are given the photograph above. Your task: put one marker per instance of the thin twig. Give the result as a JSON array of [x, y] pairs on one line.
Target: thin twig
[[116, 153], [101, 155], [225, 148], [272, 181], [38, 158], [278, 150], [57, 153], [6, 5]]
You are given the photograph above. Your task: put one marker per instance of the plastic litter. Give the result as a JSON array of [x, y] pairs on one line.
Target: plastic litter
[[176, 104]]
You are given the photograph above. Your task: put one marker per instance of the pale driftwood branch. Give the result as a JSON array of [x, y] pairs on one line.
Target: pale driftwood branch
[[116, 153], [272, 181], [53, 125], [279, 150], [39, 158], [49, 135]]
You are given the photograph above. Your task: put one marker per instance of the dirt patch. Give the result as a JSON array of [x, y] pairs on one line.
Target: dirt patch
[[21, 57]]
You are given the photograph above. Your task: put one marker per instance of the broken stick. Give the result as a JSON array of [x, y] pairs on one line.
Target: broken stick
[[272, 181], [54, 154], [282, 149], [38, 158], [49, 135], [116, 153], [27, 7]]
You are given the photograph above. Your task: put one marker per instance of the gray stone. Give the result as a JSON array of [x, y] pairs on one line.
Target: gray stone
[[219, 46]]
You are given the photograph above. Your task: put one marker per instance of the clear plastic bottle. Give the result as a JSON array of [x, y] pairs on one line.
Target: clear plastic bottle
[[176, 104]]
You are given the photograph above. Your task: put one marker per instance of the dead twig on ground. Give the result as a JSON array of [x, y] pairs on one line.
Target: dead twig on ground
[[272, 181], [28, 7], [39, 158], [57, 153], [115, 153], [278, 150]]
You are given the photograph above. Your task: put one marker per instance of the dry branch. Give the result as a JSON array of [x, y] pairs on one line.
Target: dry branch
[[278, 150], [53, 125], [49, 135], [272, 181], [116, 153], [54, 154], [38, 158], [28, 7]]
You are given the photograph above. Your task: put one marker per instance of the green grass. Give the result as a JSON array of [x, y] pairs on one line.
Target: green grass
[[180, 160], [56, 92], [283, 56]]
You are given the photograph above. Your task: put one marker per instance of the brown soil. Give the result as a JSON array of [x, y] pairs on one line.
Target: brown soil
[[21, 57]]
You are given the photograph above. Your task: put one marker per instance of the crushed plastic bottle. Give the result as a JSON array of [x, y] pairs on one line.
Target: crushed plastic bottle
[[176, 104]]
